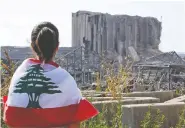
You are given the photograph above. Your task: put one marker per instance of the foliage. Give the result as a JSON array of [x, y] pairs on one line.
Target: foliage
[[111, 115], [179, 91], [7, 70], [153, 120], [181, 122]]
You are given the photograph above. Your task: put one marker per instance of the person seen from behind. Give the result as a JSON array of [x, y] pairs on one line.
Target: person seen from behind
[[41, 93]]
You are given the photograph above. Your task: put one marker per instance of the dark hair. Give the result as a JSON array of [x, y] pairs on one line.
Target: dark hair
[[45, 40]]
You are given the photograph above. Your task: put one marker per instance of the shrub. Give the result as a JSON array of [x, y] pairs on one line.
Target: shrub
[[7, 71], [181, 122], [153, 121]]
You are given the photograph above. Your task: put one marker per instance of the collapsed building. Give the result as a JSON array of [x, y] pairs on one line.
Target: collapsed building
[[165, 71], [123, 35]]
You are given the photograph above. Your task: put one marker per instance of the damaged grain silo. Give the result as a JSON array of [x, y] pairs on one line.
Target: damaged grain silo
[[123, 35], [134, 37]]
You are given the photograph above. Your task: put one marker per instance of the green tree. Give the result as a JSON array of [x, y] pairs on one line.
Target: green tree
[[34, 83]]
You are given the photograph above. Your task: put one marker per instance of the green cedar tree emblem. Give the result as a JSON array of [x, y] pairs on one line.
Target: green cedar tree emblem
[[34, 83]]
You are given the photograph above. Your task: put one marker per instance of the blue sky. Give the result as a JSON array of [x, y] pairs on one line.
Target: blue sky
[[18, 17]]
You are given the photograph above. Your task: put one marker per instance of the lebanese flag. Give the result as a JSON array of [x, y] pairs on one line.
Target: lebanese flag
[[44, 95]]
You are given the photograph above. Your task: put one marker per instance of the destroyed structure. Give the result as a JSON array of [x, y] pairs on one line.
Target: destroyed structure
[[130, 36], [124, 35], [98, 37], [165, 71]]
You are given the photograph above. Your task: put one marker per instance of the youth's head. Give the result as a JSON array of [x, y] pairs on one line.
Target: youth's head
[[45, 41]]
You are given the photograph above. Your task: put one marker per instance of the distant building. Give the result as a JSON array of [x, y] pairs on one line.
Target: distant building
[[115, 32], [21, 53]]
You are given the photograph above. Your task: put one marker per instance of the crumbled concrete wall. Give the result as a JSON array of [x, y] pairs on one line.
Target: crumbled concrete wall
[[133, 54], [162, 95], [111, 106], [118, 32], [126, 100], [134, 114], [177, 99]]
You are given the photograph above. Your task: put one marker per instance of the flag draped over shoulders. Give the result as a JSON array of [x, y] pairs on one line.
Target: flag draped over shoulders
[[44, 96]]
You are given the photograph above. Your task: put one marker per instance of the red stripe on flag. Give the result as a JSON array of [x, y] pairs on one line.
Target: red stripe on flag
[[49, 117], [38, 61]]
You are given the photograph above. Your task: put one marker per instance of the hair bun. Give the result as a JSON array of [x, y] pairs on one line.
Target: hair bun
[[45, 38]]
